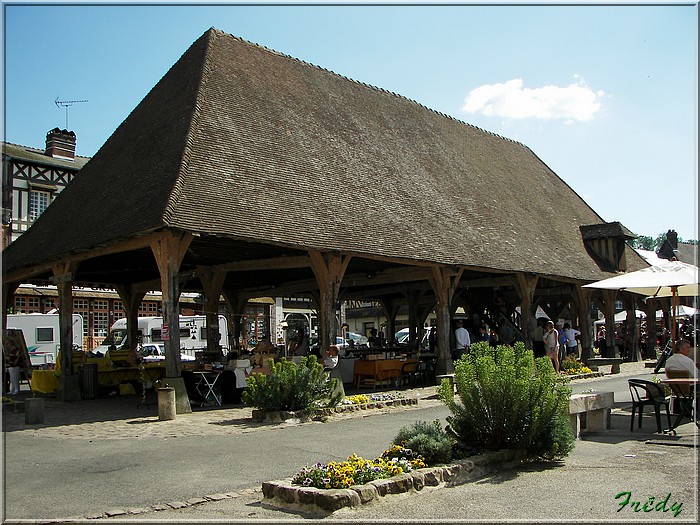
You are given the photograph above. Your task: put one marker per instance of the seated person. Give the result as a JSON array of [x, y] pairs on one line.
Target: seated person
[[329, 359], [680, 360]]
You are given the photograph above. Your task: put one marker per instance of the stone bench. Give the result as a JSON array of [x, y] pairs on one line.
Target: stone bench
[[449, 377], [602, 361], [595, 407]]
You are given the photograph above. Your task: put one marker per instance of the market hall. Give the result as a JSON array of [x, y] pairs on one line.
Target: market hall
[[246, 172]]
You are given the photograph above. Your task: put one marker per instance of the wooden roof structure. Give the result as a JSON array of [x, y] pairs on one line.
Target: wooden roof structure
[[266, 161]]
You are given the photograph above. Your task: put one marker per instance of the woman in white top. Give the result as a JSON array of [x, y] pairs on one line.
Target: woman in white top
[[551, 344]]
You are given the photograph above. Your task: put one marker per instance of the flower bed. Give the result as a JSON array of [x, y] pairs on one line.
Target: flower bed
[[287, 494]]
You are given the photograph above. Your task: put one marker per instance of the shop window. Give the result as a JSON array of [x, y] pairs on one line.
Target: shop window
[[100, 324]]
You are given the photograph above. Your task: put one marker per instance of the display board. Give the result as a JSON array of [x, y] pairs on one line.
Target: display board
[[15, 337]]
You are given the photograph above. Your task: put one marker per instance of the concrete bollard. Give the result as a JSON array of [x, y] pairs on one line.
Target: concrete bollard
[[33, 410], [166, 403]]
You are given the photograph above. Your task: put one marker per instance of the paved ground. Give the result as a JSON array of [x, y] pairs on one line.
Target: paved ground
[[109, 458]]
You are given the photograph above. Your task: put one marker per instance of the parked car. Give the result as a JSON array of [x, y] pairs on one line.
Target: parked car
[[357, 339], [402, 336], [156, 352]]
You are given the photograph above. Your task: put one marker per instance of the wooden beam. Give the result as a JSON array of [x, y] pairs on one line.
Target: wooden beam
[[279, 263], [22, 274]]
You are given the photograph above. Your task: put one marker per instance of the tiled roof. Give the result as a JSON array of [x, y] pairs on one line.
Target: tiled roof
[[606, 230], [38, 156], [245, 143]]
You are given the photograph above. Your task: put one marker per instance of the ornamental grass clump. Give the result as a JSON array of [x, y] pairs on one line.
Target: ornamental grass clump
[[428, 440], [507, 399], [358, 471], [292, 387]]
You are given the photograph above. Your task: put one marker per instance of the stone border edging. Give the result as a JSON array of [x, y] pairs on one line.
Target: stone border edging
[[283, 415], [284, 494]]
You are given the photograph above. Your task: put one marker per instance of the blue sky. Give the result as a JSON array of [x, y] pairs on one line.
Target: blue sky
[[606, 96]]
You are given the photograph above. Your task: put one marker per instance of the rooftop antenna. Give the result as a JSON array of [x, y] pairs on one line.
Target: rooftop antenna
[[66, 104]]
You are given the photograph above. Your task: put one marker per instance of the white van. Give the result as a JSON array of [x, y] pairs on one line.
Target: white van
[[43, 335], [193, 333]]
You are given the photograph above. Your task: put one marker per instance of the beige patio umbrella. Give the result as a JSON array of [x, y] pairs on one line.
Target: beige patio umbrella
[[672, 279]]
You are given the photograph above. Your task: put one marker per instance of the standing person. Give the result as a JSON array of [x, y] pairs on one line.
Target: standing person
[[493, 338], [462, 339], [373, 340], [562, 342], [432, 338], [12, 362], [551, 344], [483, 333], [538, 339], [505, 334], [302, 346], [571, 337]]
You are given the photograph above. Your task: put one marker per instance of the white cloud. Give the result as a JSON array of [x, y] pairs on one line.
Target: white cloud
[[511, 100]]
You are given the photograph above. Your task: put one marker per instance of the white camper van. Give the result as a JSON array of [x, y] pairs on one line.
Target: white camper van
[[193, 333], [43, 335]]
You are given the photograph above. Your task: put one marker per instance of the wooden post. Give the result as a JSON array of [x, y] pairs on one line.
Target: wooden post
[[583, 303], [132, 301], [212, 282], [391, 308], [650, 308], [444, 281], [235, 303], [527, 283], [329, 269], [8, 291], [608, 304], [63, 275], [169, 249]]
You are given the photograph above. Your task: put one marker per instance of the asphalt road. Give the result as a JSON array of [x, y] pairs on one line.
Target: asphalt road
[[87, 469]]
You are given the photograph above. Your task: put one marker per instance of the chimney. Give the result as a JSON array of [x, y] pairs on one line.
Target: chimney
[[60, 143]]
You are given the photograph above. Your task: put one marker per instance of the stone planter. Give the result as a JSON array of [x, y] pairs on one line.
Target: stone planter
[[304, 416], [284, 494]]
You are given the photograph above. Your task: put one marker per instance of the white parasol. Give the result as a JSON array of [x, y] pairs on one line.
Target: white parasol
[[672, 279]]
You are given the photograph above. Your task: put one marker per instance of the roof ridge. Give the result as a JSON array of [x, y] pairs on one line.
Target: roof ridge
[[375, 88], [37, 150], [176, 191]]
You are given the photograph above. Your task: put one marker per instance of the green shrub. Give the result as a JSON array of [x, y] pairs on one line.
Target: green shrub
[[292, 387], [507, 399], [428, 440]]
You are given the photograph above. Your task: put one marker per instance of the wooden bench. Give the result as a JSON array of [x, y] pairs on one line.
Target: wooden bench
[[596, 406], [602, 361]]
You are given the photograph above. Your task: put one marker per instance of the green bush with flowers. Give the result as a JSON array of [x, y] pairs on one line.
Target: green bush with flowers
[[358, 471]]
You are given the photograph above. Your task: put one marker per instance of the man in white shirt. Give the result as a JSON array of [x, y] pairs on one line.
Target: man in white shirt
[[680, 361], [462, 339]]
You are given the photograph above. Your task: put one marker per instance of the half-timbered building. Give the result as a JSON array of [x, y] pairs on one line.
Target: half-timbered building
[[32, 178]]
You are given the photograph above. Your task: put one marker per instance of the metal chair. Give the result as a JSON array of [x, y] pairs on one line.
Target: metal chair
[[682, 394], [644, 393]]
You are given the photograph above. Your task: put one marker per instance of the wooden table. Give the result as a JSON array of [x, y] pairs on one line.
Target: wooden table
[[685, 389], [379, 370]]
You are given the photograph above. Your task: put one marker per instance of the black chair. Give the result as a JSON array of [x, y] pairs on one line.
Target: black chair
[[644, 393], [408, 373]]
